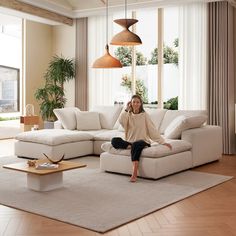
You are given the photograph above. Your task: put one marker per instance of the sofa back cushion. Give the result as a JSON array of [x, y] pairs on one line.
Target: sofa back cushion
[[88, 120], [170, 115], [156, 115], [181, 123], [108, 115], [67, 117]]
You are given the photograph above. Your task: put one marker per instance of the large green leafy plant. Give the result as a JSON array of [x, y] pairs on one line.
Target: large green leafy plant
[[52, 95]]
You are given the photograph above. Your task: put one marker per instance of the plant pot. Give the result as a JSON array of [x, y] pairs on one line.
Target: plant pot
[[48, 125]]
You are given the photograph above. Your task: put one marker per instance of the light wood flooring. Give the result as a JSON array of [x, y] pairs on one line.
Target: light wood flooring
[[209, 213]]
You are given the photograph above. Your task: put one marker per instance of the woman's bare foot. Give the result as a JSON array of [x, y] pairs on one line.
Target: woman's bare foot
[[133, 178]]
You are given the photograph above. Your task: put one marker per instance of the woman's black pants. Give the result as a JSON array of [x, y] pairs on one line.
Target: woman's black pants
[[136, 147]]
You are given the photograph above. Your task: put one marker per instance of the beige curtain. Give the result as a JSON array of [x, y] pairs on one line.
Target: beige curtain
[[221, 72], [81, 78]]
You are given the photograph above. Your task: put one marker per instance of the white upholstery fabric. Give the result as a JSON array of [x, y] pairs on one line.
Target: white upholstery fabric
[[67, 117], [156, 116], [58, 125], [97, 150], [108, 135], [181, 123], [87, 120], [170, 115], [149, 167], [206, 143], [155, 151], [53, 136], [36, 150], [94, 132], [108, 115]]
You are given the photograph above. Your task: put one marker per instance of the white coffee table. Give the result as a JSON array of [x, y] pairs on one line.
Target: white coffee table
[[44, 180]]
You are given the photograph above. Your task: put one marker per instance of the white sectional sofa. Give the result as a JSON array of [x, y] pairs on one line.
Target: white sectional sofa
[[85, 134]]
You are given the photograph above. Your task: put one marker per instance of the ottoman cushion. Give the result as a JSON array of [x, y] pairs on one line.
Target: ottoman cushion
[[156, 150], [53, 136]]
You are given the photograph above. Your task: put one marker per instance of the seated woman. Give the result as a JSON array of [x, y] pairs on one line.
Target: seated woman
[[139, 132]]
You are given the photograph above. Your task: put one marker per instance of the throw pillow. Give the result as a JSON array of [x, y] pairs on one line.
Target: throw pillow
[[88, 120], [181, 123], [108, 115], [67, 117]]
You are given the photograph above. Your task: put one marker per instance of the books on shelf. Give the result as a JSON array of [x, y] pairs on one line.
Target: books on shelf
[[46, 166]]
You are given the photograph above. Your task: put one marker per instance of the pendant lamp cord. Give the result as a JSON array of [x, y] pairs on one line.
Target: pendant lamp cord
[[125, 9], [107, 21]]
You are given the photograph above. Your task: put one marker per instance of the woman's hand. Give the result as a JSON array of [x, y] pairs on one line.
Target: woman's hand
[[128, 106], [168, 145]]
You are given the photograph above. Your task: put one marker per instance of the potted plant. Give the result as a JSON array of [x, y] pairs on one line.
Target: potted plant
[[52, 95]]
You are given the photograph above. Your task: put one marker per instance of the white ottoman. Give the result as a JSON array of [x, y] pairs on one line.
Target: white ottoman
[[54, 143], [155, 162]]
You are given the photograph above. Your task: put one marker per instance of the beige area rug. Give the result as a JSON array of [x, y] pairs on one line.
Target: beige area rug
[[100, 201]]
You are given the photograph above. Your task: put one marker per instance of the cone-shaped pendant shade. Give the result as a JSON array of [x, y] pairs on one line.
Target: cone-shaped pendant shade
[[107, 61], [126, 37]]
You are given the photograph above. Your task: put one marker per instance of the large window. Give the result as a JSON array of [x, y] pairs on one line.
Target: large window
[[114, 85], [10, 63], [9, 89]]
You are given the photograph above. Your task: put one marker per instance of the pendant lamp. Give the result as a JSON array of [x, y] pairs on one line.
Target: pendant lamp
[[126, 37], [107, 61]]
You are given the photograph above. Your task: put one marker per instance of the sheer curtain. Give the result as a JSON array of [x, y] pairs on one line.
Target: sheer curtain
[[101, 82], [193, 56]]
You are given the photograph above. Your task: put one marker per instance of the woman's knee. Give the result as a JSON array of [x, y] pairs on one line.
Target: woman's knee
[[116, 141]]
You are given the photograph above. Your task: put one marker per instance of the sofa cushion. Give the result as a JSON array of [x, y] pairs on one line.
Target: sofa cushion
[[53, 136], [117, 123], [172, 114], [108, 135], [156, 115], [155, 151], [181, 123], [88, 120], [67, 117], [108, 115]]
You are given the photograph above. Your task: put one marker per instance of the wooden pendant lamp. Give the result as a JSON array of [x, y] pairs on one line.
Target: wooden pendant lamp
[[107, 60], [126, 37]]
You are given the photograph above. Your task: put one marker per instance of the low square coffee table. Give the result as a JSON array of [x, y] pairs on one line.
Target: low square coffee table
[[44, 180]]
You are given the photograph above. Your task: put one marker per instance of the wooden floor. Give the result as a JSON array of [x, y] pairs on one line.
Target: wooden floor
[[209, 213]]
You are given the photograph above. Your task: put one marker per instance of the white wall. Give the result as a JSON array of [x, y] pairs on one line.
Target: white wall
[[64, 44]]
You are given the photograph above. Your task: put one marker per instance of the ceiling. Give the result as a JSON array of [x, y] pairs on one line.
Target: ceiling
[[82, 8]]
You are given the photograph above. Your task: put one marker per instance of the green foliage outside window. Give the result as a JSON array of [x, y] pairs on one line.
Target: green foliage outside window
[[141, 89], [170, 54], [171, 104], [124, 54]]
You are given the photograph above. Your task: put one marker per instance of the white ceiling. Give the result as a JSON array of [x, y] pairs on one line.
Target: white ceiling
[[82, 8]]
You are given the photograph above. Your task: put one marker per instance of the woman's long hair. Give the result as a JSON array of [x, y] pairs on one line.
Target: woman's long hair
[[141, 101]]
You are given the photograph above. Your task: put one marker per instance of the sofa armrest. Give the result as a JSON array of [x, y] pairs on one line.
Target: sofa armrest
[[206, 143], [58, 125]]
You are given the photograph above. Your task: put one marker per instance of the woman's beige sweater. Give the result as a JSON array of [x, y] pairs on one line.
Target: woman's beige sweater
[[139, 127]]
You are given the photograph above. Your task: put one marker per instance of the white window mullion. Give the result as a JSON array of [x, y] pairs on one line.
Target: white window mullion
[[133, 73], [160, 43]]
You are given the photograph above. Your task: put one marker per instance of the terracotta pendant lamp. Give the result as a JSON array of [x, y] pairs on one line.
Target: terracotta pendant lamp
[[126, 37], [107, 61]]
